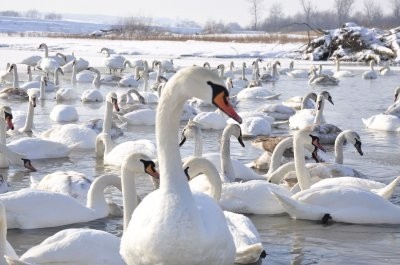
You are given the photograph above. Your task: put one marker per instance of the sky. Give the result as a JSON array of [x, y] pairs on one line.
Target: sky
[[199, 11]]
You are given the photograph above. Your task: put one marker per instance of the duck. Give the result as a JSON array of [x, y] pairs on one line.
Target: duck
[[247, 240], [149, 238], [370, 74], [336, 203], [115, 62]]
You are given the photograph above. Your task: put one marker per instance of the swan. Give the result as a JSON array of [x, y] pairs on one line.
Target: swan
[[273, 76], [80, 64], [149, 238], [24, 122], [370, 74], [70, 183], [115, 62], [385, 70], [240, 83], [4, 185], [256, 92], [394, 109], [10, 157], [321, 79], [49, 86], [14, 92], [104, 146], [341, 203], [307, 117], [382, 122], [46, 63], [341, 73], [232, 169], [130, 80], [75, 135], [30, 209], [299, 103], [253, 126], [31, 60], [210, 120], [64, 113], [277, 111], [130, 104], [144, 116], [5, 247], [245, 235]]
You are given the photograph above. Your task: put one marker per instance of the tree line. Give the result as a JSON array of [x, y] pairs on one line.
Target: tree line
[[32, 13]]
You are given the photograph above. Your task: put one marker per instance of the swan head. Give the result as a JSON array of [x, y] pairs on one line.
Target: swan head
[[235, 130], [8, 117], [193, 79], [32, 93], [207, 65], [42, 46], [396, 94], [12, 67], [322, 96], [137, 163], [306, 136], [28, 164], [353, 138], [113, 99], [59, 69], [191, 130]]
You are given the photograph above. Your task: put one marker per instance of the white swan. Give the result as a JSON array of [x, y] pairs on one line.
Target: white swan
[[24, 122], [305, 102], [307, 117], [144, 116], [115, 62], [149, 238], [29, 209], [340, 203], [231, 169], [80, 64], [298, 73], [70, 183], [245, 235], [105, 148], [341, 73], [394, 109], [256, 92], [273, 76], [48, 64], [5, 247], [64, 113], [49, 86], [210, 120], [382, 122], [14, 92], [370, 74], [10, 157]]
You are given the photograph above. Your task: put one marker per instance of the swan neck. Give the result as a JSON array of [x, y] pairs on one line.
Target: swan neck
[[129, 193], [3, 158], [15, 78], [278, 175], [169, 109], [243, 73], [213, 178], [198, 144], [302, 173], [29, 119], [3, 233], [56, 78], [96, 199], [276, 158], [320, 110], [104, 145], [107, 122], [226, 162], [339, 149]]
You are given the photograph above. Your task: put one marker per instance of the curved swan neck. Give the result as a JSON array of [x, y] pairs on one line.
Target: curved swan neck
[[277, 155], [278, 175], [129, 193], [104, 145], [199, 166], [339, 148], [226, 162], [303, 175], [96, 199], [309, 96]]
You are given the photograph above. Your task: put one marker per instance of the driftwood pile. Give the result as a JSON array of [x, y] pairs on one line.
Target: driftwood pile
[[355, 43]]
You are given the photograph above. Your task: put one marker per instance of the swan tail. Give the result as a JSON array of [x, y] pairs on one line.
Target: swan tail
[[278, 124], [299, 210], [250, 254], [12, 261], [387, 191]]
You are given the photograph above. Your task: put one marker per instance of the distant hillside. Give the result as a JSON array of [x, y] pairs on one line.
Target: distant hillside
[[20, 24]]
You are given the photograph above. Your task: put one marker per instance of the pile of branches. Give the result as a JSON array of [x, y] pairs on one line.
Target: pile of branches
[[354, 43]]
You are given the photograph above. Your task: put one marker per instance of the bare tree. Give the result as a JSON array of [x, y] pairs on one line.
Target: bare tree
[[309, 9], [32, 13], [372, 12], [343, 10], [275, 16], [256, 7], [396, 8]]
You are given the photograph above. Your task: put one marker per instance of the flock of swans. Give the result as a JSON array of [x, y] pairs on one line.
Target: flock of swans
[[196, 213]]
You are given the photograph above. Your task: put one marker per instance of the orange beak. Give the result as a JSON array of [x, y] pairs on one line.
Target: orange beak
[[221, 101]]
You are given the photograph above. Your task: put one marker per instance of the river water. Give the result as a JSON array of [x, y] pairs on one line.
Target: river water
[[286, 241]]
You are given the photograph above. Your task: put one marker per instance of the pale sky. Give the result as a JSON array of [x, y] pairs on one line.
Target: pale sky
[[199, 10]]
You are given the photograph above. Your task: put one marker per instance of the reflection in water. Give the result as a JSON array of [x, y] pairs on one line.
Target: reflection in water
[[285, 240]]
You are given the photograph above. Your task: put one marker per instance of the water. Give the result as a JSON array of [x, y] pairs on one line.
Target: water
[[286, 241]]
